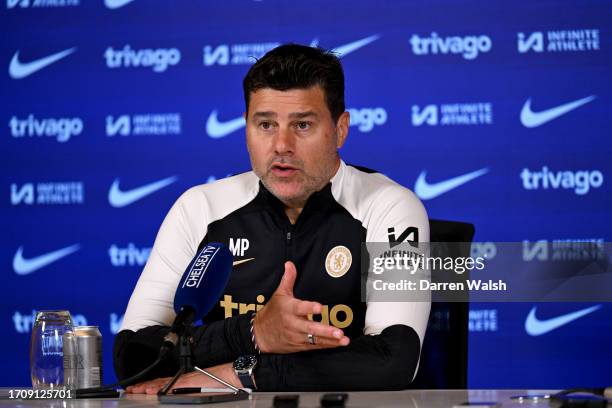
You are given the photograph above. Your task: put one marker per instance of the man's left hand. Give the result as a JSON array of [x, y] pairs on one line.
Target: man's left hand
[[193, 379]]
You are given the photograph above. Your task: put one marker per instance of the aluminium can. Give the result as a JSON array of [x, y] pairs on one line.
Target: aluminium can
[[83, 366]]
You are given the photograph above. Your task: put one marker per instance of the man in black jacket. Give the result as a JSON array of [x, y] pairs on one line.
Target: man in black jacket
[[293, 310]]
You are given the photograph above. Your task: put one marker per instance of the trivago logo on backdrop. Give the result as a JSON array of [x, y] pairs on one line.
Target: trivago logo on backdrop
[[129, 255], [158, 60], [61, 129], [469, 47], [579, 181]]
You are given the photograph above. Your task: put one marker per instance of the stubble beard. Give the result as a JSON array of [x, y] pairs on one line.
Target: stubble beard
[[308, 185]]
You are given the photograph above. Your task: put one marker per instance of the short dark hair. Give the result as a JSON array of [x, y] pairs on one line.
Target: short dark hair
[[294, 66]]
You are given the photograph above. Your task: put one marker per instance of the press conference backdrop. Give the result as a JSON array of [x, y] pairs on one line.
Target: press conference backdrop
[[113, 108]]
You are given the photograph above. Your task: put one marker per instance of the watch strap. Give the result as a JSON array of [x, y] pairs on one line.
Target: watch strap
[[246, 378]]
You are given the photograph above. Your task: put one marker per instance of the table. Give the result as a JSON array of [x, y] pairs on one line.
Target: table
[[404, 399]]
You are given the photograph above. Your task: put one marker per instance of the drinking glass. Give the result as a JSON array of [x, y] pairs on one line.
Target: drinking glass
[[52, 334]]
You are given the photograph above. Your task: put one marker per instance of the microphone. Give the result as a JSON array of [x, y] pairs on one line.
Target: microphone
[[199, 289]]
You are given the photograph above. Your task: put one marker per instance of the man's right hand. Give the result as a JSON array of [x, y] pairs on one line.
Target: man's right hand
[[282, 325]]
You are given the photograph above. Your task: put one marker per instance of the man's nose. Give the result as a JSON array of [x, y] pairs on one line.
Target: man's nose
[[284, 141]]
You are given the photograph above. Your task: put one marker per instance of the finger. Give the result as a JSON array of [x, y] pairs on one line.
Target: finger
[[302, 342], [152, 389], [320, 330], [305, 307], [323, 343], [154, 386], [143, 387], [285, 286], [138, 388]]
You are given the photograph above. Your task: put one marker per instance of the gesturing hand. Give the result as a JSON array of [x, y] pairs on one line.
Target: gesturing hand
[[282, 325]]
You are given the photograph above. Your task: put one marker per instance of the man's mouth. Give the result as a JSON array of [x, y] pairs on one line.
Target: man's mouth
[[283, 169]]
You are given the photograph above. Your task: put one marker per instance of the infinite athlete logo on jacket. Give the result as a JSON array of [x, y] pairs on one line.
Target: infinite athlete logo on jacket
[[410, 235]]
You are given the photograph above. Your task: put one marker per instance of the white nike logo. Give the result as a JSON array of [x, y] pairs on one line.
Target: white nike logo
[[241, 261], [217, 130], [118, 198], [536, 327], [346, 49], [533, 119], [23, 266], [428, 191], [19, 70], [115, 4]]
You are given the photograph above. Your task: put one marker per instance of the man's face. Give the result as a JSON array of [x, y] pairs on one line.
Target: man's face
[[293, 141]]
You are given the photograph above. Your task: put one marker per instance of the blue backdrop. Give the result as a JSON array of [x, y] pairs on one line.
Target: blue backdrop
[[495, 113]]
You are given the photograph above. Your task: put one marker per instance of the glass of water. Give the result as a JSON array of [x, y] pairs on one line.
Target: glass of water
[[52, 334]]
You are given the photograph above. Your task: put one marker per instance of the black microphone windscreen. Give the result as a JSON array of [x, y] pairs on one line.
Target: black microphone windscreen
[[204, 279]]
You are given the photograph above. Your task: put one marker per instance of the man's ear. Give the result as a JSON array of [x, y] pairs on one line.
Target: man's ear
[[342, 128]]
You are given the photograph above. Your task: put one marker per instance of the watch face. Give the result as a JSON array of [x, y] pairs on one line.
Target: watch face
[[244, 362]]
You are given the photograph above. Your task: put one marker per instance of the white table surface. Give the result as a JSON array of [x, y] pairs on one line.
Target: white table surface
[[405, 399]]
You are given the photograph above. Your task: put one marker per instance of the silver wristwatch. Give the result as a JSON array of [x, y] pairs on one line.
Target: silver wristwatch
[[243, 367]]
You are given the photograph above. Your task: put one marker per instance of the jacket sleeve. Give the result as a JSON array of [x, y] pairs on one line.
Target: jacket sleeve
[[386, 361], [215, 343]]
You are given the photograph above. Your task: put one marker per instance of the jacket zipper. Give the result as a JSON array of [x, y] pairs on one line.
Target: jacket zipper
[[288, 242]]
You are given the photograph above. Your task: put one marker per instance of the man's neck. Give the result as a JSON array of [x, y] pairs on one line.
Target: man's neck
[[294, 209], [293, 213]]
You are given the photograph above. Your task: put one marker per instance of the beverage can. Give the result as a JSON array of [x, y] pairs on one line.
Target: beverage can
[[83, 366]]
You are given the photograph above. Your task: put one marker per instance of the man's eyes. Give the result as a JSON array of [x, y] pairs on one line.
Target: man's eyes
[[302, 125], [265, 125]]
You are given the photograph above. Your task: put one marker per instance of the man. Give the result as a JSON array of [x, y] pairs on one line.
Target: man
[[295, 224]]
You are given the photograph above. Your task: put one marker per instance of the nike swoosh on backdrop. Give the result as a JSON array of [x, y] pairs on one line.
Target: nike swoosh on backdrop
[[241, 261], [427, 191], [19, 70], [23, 266], [118, 198], [346, 49], [533, 119], [537, 327], [217, 130], [115, 4]]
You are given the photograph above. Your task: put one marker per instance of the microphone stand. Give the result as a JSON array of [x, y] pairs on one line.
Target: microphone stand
[[187, 364]]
